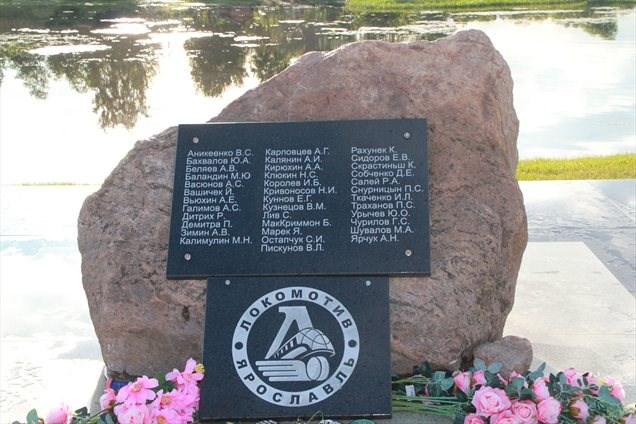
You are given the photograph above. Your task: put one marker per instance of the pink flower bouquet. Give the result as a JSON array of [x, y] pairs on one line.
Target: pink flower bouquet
[[481, 395], [173, 400]]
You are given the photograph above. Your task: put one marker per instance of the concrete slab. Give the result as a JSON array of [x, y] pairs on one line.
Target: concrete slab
[[575, 312], [600, 213]]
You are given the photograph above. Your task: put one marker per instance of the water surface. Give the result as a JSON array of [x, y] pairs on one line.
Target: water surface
[[48, 349], [81, 82]]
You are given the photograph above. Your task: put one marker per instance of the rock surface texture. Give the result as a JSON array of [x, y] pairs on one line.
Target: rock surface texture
[[512, 352], [461, 84]]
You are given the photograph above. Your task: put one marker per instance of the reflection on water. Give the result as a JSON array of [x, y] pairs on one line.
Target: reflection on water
[[115, 55], [213, 72], [574, 93], [118, 78], [48, 350]]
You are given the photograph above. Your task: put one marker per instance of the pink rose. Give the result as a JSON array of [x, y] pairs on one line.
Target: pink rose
[[478, 378], [548, 410], [618, 392], [462, 381], [540, 389], [616, 388], [525, 411], [599, 419], [579, 410], [473, 419], [488, 401], [629, 419], [61, 414], [107, 400], [504, 417], [592, 380], [574, 378]]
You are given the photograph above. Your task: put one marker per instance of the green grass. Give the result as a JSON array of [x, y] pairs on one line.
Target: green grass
[[586, 168], [369, 6]]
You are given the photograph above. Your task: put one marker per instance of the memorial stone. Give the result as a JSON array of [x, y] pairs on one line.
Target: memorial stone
[[461, 84]]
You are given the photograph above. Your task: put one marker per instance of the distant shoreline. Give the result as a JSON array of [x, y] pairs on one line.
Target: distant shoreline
[[611, 167], [368, 6]]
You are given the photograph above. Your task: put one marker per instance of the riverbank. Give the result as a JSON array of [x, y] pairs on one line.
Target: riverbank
[[368, 6], [612, 167]]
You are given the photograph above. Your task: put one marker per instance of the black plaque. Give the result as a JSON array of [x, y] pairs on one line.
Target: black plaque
[[338, 197], [292, 346]]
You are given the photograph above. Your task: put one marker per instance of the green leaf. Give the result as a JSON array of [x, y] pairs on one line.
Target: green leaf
[[447, 383], [493, 381], [439, 375], [32, 417], [495, 367], [82, 412], [511, 391], [461, 396], [605, 396], [562, 378], [459, 418], [479, 364], [554, 388], [107, 419], [362, 421], [538, 373], [518, 383], [434, 390], [526, 394], [424, 369], [165, 385], [585, 380]]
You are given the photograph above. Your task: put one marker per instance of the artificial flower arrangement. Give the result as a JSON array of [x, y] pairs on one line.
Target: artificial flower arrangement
[[173, 399], [477, 396], [482, 396]]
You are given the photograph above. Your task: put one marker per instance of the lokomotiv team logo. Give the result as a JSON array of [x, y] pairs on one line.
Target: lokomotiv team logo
[[295, 346]]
